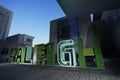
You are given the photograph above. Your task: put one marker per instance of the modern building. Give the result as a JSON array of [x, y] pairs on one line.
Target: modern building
[[64, 28], [105, 19], [5, 22], [71, 28], [100, 18], [21, 39], [90, 26], [15, 41]]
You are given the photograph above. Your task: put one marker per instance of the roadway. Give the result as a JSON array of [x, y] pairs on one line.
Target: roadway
[[37, 72]]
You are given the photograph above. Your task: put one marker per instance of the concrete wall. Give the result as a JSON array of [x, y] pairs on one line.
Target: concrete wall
[[86, 31], [108, 31]]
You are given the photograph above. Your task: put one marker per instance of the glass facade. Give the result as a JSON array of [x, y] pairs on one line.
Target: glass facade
[[68, 29], [63, 29], [5, 19], [3, 25]]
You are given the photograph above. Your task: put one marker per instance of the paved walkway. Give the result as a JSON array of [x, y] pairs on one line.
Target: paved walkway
[[32, 72]]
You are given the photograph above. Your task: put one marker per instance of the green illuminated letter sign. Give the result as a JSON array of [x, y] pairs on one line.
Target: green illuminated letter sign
[[66, 55], [28, 54]]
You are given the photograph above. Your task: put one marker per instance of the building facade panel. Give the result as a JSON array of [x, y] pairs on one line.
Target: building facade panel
[[5, 22], [21, 39]]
